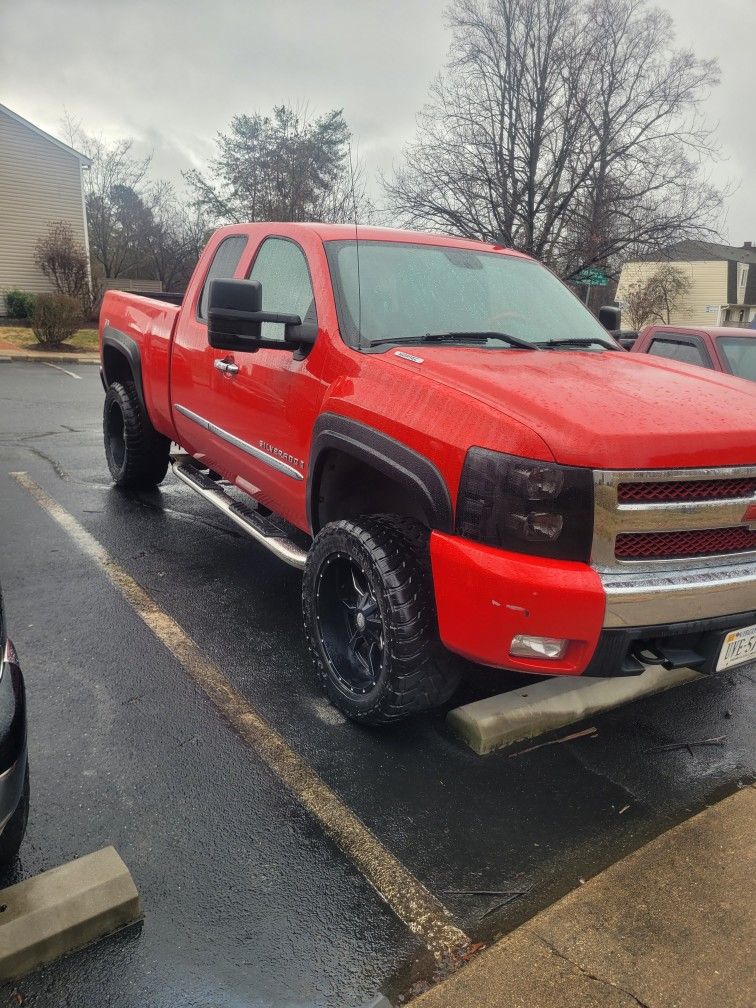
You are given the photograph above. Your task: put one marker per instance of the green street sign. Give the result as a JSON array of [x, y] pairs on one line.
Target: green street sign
[[592, 277]]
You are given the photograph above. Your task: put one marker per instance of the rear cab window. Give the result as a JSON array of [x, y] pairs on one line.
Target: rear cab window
[[223, 266], [687, 349]]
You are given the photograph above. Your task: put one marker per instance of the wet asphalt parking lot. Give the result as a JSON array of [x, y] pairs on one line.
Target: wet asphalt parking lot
[[247, 900]]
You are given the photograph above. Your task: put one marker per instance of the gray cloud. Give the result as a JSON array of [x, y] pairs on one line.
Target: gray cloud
[[171, 73]]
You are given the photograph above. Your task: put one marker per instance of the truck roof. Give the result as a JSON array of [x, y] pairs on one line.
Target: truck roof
[[714, 331], [345, 232]]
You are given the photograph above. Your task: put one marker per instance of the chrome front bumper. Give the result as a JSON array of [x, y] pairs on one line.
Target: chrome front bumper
[[651, 598]]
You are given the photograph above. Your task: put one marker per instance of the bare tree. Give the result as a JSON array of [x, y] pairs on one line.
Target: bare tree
[[567, 129], [175, 238], [285, 167], [657, 297], [115, 190]]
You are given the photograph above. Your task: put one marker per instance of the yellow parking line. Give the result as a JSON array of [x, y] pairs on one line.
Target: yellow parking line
[[422, 913]]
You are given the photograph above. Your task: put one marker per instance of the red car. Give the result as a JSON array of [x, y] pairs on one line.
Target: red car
[[721, 348], [452, 449]]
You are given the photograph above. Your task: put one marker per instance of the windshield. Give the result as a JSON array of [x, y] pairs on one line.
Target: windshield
[[407, 291], [740, 352]]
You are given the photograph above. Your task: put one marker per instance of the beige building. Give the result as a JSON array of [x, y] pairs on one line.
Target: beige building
[[40, 183], [722, 282]]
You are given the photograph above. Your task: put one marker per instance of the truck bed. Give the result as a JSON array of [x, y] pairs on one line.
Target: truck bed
[[143, 324]]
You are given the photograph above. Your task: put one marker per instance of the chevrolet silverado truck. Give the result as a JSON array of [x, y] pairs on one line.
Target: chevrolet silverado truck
[[461, 460], [721, 348]]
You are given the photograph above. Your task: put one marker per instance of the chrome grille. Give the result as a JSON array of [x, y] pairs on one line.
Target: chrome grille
[[686, 490], [682, 513]]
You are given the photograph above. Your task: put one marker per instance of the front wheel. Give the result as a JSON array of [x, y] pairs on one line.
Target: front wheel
[[370, 621]]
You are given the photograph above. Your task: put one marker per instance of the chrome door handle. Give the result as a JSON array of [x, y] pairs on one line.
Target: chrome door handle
[[228, 367]]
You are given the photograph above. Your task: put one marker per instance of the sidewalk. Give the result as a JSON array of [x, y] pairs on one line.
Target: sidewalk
[[671, 926], [9, 351]]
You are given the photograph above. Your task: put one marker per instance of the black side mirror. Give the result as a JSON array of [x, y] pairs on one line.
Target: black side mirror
[[235, 318], [610, 317]]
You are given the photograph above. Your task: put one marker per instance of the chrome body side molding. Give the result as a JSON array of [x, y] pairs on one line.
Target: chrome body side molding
[[245, 446]]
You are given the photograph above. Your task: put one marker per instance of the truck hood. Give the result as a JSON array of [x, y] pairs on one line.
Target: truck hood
[[611, 410]]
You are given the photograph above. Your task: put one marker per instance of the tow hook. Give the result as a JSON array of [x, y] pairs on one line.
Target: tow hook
[[666, 656]]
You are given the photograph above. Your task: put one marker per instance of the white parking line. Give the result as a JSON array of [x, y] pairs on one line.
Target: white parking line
[[418, 908], [48, 364]]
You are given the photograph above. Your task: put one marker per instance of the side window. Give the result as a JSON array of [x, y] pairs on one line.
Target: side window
[[688, 353], [282, 270], [224, 264]]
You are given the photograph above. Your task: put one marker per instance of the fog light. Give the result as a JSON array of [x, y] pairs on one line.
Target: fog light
[[527, 646]]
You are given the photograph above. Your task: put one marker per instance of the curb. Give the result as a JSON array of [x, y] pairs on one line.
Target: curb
[[670, 924], [63, 909], [525, 713], [60, 359]]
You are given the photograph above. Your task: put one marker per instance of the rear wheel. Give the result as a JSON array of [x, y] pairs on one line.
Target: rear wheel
[[15, 828], [370, 621], [137, 454]]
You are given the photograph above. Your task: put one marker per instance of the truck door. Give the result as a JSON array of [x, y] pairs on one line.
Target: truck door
[[265, 402], [193, 360]]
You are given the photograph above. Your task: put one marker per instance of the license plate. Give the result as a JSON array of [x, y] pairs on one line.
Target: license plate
[[738, 648]]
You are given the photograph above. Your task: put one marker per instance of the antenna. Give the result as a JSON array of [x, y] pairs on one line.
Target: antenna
[[356, 249]]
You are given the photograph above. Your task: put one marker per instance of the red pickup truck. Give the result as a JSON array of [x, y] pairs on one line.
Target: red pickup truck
[[458, 456], [721, 348]]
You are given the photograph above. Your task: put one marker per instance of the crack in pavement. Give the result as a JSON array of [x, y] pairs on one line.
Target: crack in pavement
[[591, 976]]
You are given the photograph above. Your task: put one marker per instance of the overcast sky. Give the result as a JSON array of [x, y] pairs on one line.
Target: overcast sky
[[171, 73]]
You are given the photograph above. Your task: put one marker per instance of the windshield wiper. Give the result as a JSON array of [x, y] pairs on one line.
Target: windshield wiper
[[471, 336], [478, 336], [547, 344]]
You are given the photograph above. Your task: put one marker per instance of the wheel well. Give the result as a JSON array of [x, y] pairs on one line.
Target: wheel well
[[346, 487], [116, 365]]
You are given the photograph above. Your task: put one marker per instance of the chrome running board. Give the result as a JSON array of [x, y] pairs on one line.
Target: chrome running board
[[263, 530]]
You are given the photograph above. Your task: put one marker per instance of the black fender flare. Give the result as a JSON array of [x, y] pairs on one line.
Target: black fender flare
[[128, 348], [389, 456]]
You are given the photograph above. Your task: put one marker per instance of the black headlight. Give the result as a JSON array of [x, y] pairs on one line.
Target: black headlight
[[526, 506]]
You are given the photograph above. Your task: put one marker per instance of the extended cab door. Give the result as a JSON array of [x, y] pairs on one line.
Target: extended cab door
[[264, 403], [259, 406], [193, 360]]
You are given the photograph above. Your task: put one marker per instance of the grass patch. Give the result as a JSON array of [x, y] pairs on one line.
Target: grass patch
[[82, 341]]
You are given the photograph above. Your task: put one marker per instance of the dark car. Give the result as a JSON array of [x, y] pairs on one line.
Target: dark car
[[14, 766]]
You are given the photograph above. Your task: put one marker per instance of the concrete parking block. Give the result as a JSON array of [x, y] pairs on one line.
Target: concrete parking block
[[525, 713], [64, 909]]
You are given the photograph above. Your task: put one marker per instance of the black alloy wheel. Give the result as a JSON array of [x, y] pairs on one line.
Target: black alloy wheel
[[370, 620], [350, 623]]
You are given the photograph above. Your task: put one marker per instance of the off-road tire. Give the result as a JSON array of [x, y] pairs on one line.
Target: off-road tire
[[15, 828], [137, 454], [416, 672]]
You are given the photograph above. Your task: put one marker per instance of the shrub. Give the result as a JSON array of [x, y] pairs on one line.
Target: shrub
[[19, 304], [64, 262], [55, 318]]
